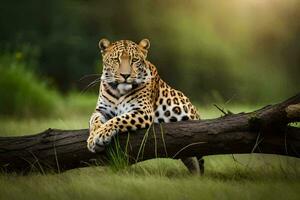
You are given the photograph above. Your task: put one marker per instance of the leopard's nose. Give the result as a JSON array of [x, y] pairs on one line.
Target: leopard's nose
[[125, 76]]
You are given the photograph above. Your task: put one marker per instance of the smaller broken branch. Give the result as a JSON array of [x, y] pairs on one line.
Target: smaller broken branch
[[223, 111]]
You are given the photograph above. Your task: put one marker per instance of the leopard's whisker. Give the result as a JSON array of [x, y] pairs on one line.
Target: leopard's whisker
[[93, 83], [89, 75]]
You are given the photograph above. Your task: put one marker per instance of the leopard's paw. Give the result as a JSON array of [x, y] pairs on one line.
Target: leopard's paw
[[100, 138], [91, 145]]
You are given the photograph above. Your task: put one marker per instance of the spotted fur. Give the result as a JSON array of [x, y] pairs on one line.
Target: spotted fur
[[132, 95]]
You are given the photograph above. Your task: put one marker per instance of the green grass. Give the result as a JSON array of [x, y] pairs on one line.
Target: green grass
[[165, 179], [249, 176], [73, 113]]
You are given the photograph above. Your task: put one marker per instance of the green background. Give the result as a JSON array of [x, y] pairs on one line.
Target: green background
[[215, 51]]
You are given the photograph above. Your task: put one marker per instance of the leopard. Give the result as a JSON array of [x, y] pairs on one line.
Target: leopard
[[132, 96]]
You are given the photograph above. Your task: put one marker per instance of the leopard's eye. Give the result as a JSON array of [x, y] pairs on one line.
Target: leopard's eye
[[115, 59], [135, 59]]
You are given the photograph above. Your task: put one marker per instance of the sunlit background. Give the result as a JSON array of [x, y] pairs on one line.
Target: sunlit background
[[237, 51], [238, 54]]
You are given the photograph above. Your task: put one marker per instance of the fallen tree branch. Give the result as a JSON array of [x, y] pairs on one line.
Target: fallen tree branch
[[263, 131]]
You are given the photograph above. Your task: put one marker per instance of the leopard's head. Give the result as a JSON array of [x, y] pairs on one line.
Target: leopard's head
[[124, 63]]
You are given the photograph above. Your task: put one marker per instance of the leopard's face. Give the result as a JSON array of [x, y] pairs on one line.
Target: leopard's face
[[124, 64]]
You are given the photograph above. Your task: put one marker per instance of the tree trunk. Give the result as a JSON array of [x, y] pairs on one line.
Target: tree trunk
[[265, 130]]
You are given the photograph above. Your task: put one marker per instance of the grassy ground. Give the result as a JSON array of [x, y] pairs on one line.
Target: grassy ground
[[252, 177], [226, 177]]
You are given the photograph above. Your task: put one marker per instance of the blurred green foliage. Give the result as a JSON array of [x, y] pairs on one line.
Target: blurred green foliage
[[21, 92], [215, 51]]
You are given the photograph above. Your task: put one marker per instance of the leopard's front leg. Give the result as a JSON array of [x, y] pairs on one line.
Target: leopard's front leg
[[96, 121], [132, 120]]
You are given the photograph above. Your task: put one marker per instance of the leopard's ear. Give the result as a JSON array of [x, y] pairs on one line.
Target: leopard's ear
[[103, 44], [145, 44]]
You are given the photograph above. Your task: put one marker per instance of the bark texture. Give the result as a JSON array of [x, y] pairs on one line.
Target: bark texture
[[265, 130]]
